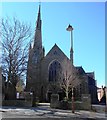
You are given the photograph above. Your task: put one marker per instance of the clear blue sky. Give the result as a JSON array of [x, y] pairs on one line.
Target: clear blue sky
[[88, 21]]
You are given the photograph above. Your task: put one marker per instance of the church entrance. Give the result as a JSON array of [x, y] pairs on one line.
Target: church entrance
[[61, 95], [49, 93]]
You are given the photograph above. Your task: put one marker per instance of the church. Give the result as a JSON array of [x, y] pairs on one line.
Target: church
[[55, 72]]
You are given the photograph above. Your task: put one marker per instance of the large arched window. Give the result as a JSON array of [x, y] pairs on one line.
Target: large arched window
[[54, 71]]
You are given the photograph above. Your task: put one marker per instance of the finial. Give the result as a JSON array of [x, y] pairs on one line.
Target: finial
[[39, 2], [39, 5]]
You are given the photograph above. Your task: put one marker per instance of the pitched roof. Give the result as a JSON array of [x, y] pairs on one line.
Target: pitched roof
[[80, 69], [91, 74], [56, 50]]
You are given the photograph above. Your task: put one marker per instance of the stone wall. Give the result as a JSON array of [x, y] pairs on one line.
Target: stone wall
[[17, 103], [26, 102], [106, 95], [85, 104], [0, 86], [86, 101], [55, 101], [99, 108]]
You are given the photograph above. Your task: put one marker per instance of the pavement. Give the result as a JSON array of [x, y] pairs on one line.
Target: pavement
[[43, 111]]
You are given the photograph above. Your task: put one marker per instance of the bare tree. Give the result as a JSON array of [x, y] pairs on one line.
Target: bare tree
[[66, 83], [71, 78], [15, 42]]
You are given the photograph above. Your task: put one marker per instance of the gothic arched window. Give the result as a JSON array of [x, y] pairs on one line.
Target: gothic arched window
[[54, 71]]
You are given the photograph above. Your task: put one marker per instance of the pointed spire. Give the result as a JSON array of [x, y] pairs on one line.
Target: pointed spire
[[43, 52], [37, 47], [38, 35], [30, 46], [38, 25]]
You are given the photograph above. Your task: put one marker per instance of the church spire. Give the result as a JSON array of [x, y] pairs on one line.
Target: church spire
[[38, 25], [38, 33]]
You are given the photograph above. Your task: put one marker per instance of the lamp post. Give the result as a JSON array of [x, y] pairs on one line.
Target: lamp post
[[73, 100], [70, 29]]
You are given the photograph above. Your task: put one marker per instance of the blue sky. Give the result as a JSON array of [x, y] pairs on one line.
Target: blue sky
[[88, 21]]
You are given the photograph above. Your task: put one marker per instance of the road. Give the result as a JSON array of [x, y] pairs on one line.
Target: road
[[46, 113]]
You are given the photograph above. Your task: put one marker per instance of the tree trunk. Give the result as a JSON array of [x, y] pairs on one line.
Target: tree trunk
[[67, 95]]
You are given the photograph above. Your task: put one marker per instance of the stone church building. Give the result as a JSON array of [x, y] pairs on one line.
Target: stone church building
[[47, 74]]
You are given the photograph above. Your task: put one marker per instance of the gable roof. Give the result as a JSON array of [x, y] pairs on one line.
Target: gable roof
[[91, 74], [80, 69], [55, 50]]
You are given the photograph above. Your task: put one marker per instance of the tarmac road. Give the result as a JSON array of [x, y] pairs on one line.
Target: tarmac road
[[44, 112]]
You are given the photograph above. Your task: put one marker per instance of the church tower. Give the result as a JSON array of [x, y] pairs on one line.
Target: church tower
[[35, 56]]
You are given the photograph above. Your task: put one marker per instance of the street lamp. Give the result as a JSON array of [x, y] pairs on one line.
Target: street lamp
[[70, 29], [73, 100]]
